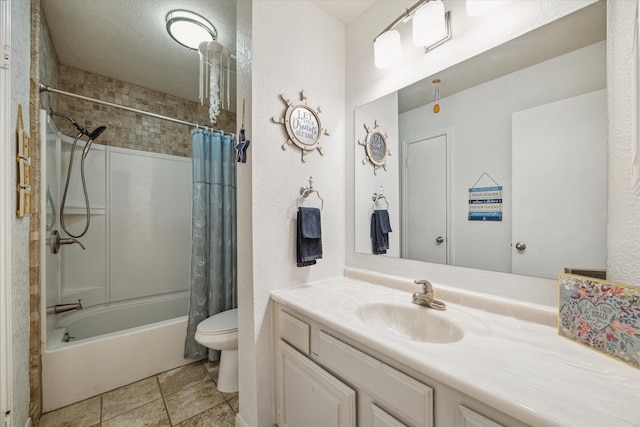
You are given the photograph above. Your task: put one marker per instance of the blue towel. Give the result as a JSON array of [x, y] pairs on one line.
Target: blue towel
[[380, 229], [309, 237]]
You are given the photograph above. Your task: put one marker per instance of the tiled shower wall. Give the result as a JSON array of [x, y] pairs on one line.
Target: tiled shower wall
[[130, 130]]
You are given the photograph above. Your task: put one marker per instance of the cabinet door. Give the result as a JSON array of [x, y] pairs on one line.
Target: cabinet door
[[381, 418], [309, 396], [469, 418]]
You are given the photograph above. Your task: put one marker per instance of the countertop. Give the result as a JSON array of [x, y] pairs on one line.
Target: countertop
[[514, 360]]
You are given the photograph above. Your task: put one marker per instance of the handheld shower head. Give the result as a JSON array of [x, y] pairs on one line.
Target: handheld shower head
[[92, 136], [97, 132]]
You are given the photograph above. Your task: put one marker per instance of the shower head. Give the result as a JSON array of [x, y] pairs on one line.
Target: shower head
[[92, 136], [96, 133]]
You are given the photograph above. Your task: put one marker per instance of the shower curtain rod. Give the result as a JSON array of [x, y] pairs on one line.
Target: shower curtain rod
[[45, 88]]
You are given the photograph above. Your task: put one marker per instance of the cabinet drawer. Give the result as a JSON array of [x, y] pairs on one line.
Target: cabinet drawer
[[406, 396], [294, 331], [380, 418]]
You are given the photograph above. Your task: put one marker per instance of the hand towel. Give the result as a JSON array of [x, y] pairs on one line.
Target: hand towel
[[380, 229], [309, 237]]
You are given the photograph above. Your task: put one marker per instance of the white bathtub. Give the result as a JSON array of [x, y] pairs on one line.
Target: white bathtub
[[114, 345]]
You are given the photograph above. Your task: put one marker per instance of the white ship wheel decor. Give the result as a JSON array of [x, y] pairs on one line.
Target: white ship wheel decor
[[303, 126], [375, 147]]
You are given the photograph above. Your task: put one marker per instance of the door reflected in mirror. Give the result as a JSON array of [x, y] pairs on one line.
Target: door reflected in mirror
[[535, 126]]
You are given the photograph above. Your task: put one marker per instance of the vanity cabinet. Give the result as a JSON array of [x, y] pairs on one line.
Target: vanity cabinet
[[309, 395], [469, 418], [325, 379]]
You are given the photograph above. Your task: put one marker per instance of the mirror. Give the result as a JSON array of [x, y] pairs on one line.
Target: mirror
[[506, 171]]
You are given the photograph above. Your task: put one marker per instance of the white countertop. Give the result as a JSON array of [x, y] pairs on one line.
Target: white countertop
[[520, 367]]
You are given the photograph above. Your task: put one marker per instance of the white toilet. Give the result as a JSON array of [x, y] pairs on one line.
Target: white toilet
[[220, 332]]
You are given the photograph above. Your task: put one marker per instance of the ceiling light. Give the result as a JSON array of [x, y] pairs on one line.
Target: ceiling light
[[189, 28], [431, 28]]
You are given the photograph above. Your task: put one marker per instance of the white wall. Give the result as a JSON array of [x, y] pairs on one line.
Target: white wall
[[365, 83], [480, 121], [295, 46], [20, 63], [623, 207], [385, 112]]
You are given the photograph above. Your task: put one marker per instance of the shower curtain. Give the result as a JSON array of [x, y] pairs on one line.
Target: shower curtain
[[213, 230]]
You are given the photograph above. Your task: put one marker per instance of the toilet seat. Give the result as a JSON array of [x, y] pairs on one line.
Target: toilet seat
[[222, 323]]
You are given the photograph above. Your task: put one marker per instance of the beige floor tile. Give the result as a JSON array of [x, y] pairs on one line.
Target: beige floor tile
[[229, 396], [192, 401], [129, 397], [212, 369], [81, 414], [235, 404], [185, 376], [218, 416], [150, 415]]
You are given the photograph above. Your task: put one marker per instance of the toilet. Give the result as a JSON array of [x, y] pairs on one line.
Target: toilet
[[220, 332]]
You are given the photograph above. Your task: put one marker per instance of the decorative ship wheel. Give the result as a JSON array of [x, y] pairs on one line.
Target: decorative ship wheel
[[376, 148], [303, 126]]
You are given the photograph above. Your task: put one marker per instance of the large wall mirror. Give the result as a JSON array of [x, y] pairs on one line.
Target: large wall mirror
[[508, 172]]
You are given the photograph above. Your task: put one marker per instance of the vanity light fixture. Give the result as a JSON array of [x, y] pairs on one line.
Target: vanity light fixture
[[431, 28], [190, 29]]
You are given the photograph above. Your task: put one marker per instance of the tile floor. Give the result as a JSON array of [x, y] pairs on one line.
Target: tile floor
[[183, 397]]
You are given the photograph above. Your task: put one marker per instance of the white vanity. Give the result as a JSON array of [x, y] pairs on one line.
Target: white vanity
[[355, 353]]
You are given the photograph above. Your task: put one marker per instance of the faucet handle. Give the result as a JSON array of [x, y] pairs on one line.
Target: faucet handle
[[426, 286]]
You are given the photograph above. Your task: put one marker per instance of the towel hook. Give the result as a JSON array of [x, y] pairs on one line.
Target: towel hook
[[379, 196], [306, 191]]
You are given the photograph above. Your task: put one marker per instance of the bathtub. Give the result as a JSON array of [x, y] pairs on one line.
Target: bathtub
[[114, 345]]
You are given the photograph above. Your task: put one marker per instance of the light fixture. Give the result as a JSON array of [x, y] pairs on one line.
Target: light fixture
[[431, 28], [387, 49], [429, 24], [189, 28]]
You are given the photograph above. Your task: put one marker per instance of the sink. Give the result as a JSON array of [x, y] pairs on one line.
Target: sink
[[414, 322]]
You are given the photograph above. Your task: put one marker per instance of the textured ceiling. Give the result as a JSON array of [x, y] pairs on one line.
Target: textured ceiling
[[127, 40]]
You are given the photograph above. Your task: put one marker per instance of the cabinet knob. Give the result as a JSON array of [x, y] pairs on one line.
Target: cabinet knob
[[439, 239], [521, 246]]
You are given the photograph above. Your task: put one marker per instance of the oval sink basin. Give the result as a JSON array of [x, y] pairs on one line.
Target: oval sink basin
[[411, 321]]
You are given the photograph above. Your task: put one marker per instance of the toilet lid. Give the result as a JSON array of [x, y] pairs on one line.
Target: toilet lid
[[220, 323]]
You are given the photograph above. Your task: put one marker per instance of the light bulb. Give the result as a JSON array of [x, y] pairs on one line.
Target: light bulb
[[387, 49], [429, 24]]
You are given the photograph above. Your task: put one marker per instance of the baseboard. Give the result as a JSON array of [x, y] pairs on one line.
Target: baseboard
[[240, 422]]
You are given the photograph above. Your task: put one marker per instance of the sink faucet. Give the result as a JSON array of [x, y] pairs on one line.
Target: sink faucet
[[63, 308], [426, 297]]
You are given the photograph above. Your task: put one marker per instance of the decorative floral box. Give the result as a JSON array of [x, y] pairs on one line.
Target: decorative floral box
[[601, 315]]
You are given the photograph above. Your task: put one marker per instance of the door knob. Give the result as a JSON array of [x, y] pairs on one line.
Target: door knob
[[439, 239], [521, 246]]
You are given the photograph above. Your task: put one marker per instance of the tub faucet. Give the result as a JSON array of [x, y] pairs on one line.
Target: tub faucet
[[63, 308], [426, 297]]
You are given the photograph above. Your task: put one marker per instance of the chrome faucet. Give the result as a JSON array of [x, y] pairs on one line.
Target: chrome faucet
[[63, 308], [426, 297]]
